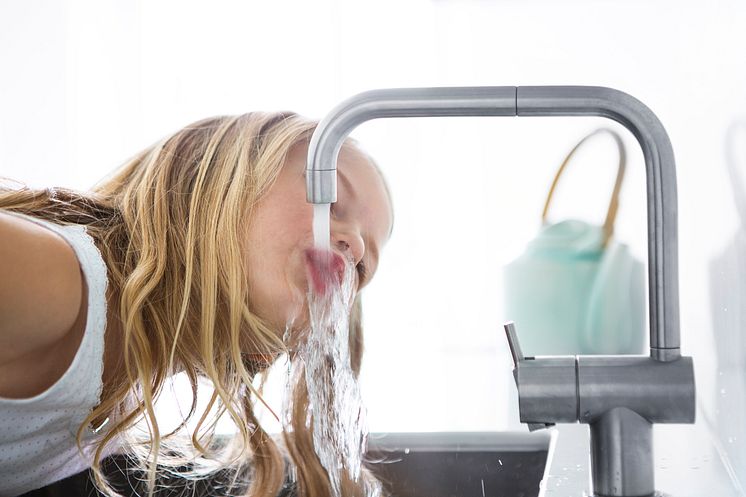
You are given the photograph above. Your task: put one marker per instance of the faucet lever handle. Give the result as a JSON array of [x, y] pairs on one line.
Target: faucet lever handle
[[518, 358], [515, 346]]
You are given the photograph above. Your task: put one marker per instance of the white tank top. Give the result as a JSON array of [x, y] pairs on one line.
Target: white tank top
[[38, 434]]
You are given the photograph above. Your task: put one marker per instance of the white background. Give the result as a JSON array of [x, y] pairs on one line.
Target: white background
[[87, 84]]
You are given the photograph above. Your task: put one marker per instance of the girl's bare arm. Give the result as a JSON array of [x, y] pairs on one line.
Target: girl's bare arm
[[41, 289]]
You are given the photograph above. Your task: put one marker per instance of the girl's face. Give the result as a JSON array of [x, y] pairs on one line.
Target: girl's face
[[280, 235]]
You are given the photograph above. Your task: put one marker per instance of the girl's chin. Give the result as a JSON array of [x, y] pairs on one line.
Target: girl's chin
[[297, 319]]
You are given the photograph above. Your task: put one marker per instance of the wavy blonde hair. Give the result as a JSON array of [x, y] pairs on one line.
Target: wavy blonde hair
[[169, 225]]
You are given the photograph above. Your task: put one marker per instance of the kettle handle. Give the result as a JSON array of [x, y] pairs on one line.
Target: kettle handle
[[608, 226]]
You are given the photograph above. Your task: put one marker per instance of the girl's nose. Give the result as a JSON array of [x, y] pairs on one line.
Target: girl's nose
[[350, 244]]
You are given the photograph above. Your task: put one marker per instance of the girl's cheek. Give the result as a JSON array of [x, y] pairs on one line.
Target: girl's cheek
[[305, 215]]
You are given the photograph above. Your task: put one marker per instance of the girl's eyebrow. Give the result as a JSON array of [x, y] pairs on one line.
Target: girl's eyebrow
[[347, 183], [345, 180]]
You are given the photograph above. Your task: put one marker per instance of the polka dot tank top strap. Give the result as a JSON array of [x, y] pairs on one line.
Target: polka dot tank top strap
[[38, 443]]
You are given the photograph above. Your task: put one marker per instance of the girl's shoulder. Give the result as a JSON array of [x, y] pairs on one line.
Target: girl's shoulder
[[46, 271], [41, 289]]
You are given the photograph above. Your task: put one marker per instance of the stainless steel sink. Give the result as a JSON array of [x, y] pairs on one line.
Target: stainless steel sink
[[460, 464]]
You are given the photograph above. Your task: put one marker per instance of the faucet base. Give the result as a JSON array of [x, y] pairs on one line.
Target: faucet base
[[622, 455]]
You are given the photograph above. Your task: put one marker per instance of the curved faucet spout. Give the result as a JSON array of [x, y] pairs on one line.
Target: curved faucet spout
[[327, 139], [534, 101]]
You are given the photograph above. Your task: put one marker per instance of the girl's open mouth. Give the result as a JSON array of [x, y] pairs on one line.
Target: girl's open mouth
[[325, 269]]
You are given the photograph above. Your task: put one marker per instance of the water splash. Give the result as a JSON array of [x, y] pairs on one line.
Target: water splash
[[321, 358]]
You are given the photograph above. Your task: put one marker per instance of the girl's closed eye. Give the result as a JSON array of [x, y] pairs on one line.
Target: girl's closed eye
[[335, 210], [361, 271]]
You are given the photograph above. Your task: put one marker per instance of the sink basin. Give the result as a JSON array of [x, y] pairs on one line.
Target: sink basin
[[460, 464]]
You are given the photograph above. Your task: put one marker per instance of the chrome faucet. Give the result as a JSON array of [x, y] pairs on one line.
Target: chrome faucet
[[620, 397]]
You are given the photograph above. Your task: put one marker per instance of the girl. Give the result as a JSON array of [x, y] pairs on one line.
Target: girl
[[193, 257]]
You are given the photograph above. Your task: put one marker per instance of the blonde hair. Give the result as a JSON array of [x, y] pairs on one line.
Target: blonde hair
[[169, 224]]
